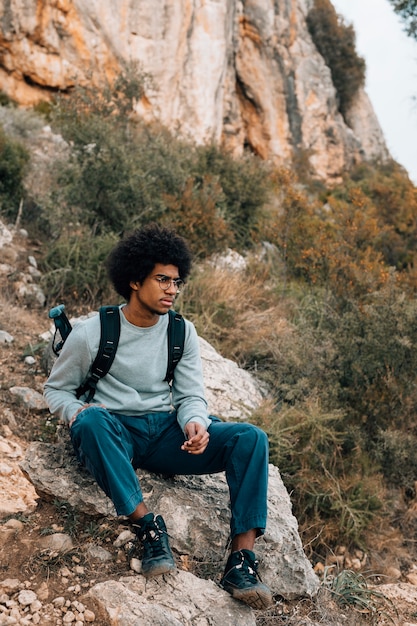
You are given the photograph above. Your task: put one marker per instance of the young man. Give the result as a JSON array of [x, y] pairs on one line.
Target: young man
[[135, 421]]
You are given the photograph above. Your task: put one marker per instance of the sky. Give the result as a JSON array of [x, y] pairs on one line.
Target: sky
[[391, 74]]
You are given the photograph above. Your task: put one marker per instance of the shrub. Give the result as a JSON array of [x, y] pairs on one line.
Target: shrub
[[336, 43], [394, 199], [395, 451], [74, 269], [13, 162], [245, 183], [327, 242], [197, 213], [335, 495]]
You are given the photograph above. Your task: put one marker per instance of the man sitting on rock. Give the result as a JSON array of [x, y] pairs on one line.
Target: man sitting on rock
[[137, 421]]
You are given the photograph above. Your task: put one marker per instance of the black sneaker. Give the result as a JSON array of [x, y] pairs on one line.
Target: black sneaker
[[157, 557], [242, 581]]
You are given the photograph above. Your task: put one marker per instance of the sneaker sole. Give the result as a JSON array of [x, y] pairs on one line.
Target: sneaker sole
[[255, 598], [158, 570]]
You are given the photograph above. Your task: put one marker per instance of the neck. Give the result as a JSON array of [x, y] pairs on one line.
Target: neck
[[144, 319]]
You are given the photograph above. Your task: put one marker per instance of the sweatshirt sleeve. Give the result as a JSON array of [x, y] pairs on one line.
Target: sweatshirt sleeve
[[188, 388], [67, 374]]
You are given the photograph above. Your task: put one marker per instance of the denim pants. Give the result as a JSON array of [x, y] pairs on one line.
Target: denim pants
[[112, 446]]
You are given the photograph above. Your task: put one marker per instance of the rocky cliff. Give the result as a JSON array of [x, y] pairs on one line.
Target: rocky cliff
[[241, 72]]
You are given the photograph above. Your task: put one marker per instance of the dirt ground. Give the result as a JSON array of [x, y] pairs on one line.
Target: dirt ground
[[51, 574]]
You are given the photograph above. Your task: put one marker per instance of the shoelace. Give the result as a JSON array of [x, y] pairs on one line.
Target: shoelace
[[249, 570], [150, 537]]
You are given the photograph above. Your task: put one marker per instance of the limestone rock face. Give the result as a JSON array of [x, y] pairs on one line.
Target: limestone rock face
[[239, 72]]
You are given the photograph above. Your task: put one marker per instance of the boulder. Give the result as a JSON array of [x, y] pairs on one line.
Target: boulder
[[173, 600], [195, 508]]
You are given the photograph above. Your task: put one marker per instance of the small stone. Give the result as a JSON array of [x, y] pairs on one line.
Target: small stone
[[60, 601], [5, 337], [65, 572], [89, 616], [14, 523], [35, 606], [393, 572], [43, 592], [59, 542], [10, 585], [26, 597], [135, 565], [69, 617], [99, 553], [412, 578], [123, 538], [11, 603], [15, 613], [5, 470], [30, 360], [7, 620], [30, 398]]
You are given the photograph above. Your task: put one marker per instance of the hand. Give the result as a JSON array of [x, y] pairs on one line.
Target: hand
[[85, 406], [197, 438]]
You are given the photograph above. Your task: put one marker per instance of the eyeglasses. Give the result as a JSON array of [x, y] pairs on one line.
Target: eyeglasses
[[165, 282]]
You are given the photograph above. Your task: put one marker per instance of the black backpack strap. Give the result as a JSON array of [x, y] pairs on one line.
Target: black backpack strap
[[109, 339], [176, 338]]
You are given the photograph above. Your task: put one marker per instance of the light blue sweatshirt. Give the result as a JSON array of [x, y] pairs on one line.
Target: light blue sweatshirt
[[135, 383]]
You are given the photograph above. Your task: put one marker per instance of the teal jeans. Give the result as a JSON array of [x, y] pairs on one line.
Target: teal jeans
[[112, 446]]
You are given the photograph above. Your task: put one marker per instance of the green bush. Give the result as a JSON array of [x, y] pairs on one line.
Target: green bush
[[336, 492], [396, 453], [336, 43], [13, 162], [246, 187], [74, 269]]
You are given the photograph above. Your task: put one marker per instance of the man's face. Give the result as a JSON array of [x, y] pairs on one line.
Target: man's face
[[157, 293]]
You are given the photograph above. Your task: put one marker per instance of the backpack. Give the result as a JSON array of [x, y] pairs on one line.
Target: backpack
[[109, 339]]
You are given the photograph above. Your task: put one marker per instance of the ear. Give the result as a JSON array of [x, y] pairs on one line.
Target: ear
[[134, 285]]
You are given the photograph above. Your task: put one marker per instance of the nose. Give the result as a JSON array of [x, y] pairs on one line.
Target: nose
[[172, 289]]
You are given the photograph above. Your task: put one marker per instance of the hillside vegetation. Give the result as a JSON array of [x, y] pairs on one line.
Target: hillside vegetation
[[325, 311]]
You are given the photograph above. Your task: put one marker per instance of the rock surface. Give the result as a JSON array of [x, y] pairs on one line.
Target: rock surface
[[237, 72], [171, 601], [195, 508]]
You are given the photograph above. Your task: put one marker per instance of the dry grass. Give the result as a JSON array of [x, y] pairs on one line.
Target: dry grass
[[239, 311]]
